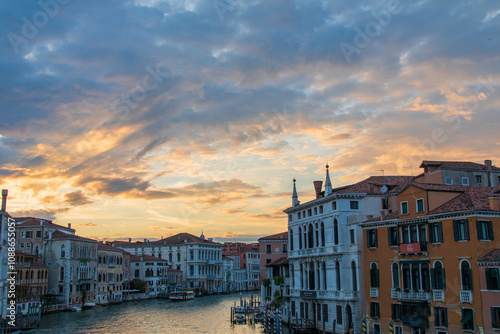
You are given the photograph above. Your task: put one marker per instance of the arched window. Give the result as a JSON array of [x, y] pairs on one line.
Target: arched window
[[335, 232], [415, 276], [438, 277], [466, 275], [178, 257], [302, 277], [191, 254], [395, 276], [292, 276], [337, 272], [316, 232], [323, 234], [61, 274], [300, 238], [354, 276], [63, 251], [290, 238], [311, 276], [310, 239], [426, 284], [374, 275]]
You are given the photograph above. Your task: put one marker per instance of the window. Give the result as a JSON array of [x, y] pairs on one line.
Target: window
[[321, 209], [291, 238], [440, 317], [465, 181], [448, 181], [492, 278], [467, 319], [435, 232], [351, 234], [334, 205], [495, 317], [354, 205], [298, 215], [309, 212], [289, 218], [61, 274], [335, 232], [466, 275], [354, 276], [323, 234], [29, 234], [461, 230], [398, 329], [479, 179], [438, 280], [339, 314], [285, 248], [268, 249], [38, 234], [63, 251], [404, 208], [376, 328], [393, 236], [396, 311], [337, 272], [395, 275], [420, 205], [371, 238], [484, 230], [325, 312], [375, 309], [268, 261], [374, 277]]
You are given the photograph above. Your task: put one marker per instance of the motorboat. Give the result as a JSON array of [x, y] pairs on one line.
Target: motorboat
[[181, 295]]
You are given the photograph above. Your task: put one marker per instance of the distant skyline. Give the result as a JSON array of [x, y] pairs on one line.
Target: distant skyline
[[148, 118]]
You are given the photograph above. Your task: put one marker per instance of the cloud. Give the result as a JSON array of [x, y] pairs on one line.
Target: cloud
[[49, 214], [85, 225], [77, 198]]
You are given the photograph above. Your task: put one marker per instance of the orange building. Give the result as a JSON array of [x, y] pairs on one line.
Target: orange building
[[421, 262]]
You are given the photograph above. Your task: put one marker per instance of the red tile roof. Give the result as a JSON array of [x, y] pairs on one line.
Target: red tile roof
[[473, 198], [279, 236], [62, 235], [30, 221], [279, 262], [373, 184], [104, 246], [456, 165], [491, 256], [172, 270]]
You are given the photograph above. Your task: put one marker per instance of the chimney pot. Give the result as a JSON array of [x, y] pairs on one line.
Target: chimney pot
[[488, 164], [69, 225], [5, 193], [129, 240], [494, 203], [382, 214], [317, 188]]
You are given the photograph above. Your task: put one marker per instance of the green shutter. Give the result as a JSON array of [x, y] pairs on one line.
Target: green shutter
[[490, 230], [480, 235], [433, 278], [455, 229], [440, 231]]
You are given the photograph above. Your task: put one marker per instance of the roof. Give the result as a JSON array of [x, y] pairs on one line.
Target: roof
[[172, 270], [492, 256], [145, 257], [62, 235], [279, 236], [456, 165], [104, 246], [279, 262], [31, 221], [473, 198], [373, 184]]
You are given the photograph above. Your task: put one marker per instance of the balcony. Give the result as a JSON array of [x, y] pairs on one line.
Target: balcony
[[374, 292], [111, 265], [395, 293], [466, 296], [438, 295], [412, 295]]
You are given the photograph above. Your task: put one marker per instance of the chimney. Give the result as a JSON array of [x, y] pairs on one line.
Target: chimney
[[494, 203], [5, 193], [488, 164], [69, 225], [129, 241], [317, 188], [382, 214]]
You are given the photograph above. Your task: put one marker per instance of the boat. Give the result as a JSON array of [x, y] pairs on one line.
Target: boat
[[181, 295], [76, 309], [259, 317]]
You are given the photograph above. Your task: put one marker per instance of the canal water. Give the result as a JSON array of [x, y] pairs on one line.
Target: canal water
[[209, 314]]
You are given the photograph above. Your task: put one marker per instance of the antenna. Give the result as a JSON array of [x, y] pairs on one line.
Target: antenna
[[410, 168], [380, 170]]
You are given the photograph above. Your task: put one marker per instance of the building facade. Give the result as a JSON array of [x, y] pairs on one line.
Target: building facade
[[153, 271], [325, 251], [432, 248], [271, 248], [460, 173], [110, 274]]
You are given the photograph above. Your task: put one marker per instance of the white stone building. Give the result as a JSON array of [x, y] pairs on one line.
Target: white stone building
[[199, 259], [110, 274], [325, 251], [153, 271]]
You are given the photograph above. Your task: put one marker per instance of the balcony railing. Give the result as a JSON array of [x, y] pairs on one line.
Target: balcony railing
[[465, 296], [411, 295], [374, 292], [438, 295], [111, 265], [322, 294]]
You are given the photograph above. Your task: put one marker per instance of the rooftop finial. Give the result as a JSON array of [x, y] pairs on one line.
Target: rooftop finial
[[328, 183], [295, 197]]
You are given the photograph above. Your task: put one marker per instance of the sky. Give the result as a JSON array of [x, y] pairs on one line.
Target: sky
[[148, 118]]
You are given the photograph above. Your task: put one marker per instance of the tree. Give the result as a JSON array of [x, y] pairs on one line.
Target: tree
[[138, 284]]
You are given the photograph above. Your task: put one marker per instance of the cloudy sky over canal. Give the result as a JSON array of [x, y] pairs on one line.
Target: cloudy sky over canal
[[147, 118]]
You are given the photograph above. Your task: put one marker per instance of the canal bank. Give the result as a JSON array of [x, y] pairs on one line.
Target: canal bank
[[209, 314]]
